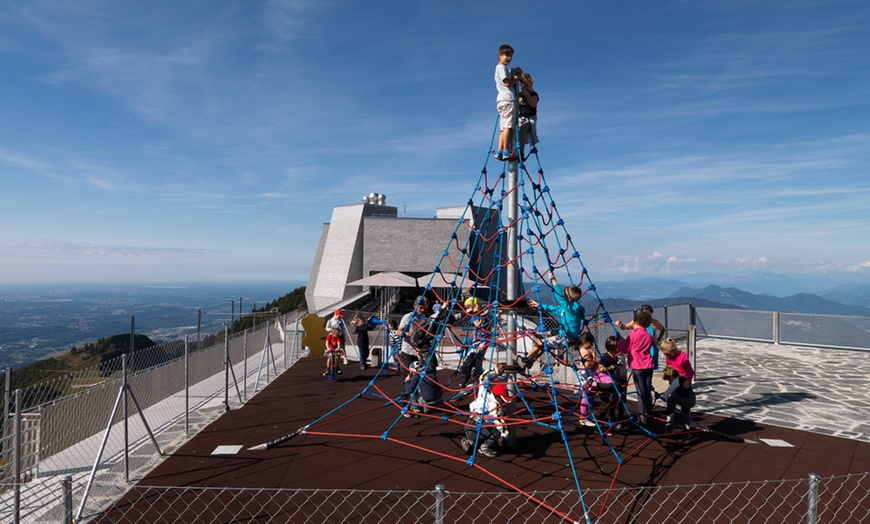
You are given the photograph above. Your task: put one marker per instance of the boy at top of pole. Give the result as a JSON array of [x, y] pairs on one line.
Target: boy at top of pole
[[506, 101]]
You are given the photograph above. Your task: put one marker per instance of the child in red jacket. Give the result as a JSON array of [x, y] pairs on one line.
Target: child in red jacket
[[333, 354]]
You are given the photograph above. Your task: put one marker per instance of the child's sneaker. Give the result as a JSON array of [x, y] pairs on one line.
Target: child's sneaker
[[466, 445], [487, 451]]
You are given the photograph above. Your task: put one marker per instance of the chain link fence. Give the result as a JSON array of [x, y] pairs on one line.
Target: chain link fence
[[114, 420], [833, 500]]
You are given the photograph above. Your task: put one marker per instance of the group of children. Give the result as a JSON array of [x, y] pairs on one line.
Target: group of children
[[517, 104], [637, 352], [605, 376], [639, 349]]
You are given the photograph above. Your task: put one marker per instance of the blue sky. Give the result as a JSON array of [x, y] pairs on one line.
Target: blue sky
[[185, 141]]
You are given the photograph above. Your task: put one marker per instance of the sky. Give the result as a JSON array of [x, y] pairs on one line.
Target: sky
[[171, 141]]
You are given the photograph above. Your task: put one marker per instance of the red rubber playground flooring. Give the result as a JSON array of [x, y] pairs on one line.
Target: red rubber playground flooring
[[368, 445]]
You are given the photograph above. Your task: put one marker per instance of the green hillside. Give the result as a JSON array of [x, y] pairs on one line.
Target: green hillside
[[95, 354]]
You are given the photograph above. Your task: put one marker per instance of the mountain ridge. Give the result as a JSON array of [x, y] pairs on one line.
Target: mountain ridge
[[850, 299], [808, 303]]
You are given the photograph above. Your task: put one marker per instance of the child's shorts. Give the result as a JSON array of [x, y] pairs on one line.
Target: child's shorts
[[507, 110], [556, 342], [528, 130]]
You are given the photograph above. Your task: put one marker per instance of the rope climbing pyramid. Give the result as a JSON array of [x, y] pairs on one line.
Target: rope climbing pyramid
[[511, 306]]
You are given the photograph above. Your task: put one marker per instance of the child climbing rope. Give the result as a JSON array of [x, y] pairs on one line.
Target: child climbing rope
[[613, 363], [589, 377], [422, 389], [394, 346], [478, 341], [571, 316], [485, 412]]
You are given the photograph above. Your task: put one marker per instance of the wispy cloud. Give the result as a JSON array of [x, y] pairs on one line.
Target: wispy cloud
[[24, 162], [715, 135], [63, 262]]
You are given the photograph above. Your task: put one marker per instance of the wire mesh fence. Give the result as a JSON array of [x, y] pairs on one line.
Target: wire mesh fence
[[836, 499], [115, 419]]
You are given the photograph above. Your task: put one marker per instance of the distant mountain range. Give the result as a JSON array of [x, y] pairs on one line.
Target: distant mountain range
[[800, 303], [843, 300], [852, 294]]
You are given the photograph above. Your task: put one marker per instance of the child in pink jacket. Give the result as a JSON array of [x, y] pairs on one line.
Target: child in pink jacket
[[637, 346]]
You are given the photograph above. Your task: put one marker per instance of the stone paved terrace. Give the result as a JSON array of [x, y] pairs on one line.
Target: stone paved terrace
[[811, 389]]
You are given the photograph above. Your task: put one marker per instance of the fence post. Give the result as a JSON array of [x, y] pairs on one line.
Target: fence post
[[282, 325], [7, 395], [226, 367], [439, 504], [124, 387], [186, 386], [16, 468], [67, 500], [295, 347], [7, 399], [692, 346], [776, 328], [666, 317], [813, 499]]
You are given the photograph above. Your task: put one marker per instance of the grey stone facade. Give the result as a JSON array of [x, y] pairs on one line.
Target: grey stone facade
[[364, 239]]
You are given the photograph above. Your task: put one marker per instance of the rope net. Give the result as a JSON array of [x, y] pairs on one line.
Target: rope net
[[518, 365]]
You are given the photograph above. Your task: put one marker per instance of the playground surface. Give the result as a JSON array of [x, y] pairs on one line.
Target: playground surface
[[367, 444]]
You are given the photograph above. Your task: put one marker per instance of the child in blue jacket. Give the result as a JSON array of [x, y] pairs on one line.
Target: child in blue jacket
[[571, 316]]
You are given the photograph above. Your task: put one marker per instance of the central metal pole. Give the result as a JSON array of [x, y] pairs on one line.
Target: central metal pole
[[512, 287], [512, 284]]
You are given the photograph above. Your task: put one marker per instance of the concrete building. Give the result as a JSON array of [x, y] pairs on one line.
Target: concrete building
[[369, 238]]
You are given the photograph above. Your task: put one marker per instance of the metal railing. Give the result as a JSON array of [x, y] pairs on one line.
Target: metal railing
[[797, 329]]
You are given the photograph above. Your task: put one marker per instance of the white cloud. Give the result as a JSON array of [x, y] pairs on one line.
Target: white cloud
[[659, 264], [80, 262]]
